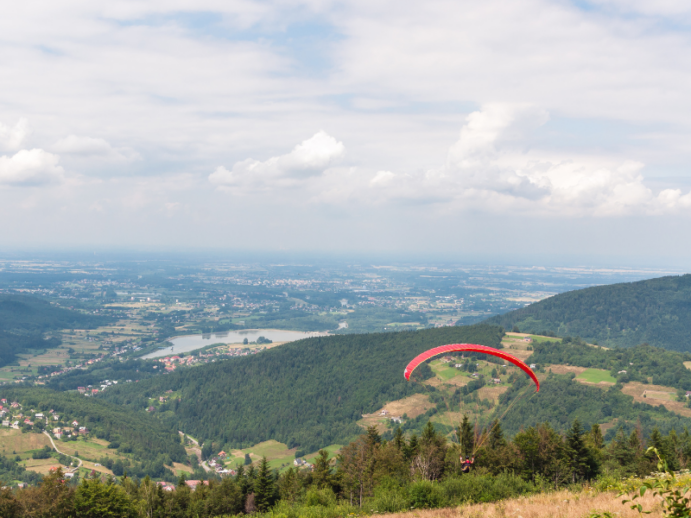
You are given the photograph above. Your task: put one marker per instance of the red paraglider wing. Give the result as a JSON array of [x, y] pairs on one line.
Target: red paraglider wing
[[473, 348]]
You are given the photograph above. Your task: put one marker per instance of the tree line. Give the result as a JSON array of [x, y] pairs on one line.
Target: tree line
[[371, 474]]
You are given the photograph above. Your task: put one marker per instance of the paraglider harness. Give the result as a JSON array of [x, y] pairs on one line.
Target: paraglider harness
[[466, 464]]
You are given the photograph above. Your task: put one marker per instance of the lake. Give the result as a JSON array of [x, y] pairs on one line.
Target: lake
[[187, 343]]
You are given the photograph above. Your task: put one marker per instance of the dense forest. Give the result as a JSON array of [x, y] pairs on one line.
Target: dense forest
[[136, 433], [25, 320], [308, 393], [655, 311], [643, 363]]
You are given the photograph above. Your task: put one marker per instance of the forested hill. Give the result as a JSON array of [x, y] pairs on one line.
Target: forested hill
[[24, 320], [308, 393], [656, 311]]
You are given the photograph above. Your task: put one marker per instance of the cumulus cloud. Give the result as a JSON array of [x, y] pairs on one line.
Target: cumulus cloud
[[12, 138], [488, 168], [30, 168], [307, 160], [89, 147]]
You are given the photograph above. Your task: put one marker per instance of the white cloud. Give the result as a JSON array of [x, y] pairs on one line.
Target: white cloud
[[30, 168], [307, 160], [492, 168], [12, 138], [89, 147]]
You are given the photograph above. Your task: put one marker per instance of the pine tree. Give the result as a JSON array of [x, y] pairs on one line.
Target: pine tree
[[373, 436], [411, 448], [321, 474], [496, 436], [583, 462], [263, 487], [596, 438], [399, 439], [466, 437]]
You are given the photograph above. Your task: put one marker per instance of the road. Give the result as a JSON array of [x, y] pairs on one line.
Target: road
[[56, 449], [197, 451]]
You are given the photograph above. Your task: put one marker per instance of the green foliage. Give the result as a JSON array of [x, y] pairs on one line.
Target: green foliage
[[656, 311], [640, 362], [94, 499], [675, 499], [308, 393], [562, 400]]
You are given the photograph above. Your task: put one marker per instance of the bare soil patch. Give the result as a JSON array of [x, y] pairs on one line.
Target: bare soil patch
[[653, 393]]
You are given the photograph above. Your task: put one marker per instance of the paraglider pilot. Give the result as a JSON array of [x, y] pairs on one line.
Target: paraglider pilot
[[466, 464]]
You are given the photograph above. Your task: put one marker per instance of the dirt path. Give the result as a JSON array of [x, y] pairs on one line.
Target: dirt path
[[72, 470], [197, 451]]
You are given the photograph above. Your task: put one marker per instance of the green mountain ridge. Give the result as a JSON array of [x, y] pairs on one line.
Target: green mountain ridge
[[655, 311], [308, 393]]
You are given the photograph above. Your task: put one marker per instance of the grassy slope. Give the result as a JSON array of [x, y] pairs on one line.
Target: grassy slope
[[657, 311]]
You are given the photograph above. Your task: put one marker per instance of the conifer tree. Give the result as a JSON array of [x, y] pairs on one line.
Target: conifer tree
[[496, 436], [321, 474], [466, 437], [399, 439], [263, 487]]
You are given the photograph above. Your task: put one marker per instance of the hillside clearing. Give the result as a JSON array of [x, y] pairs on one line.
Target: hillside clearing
[[655, 395], [596, 376], [12, 440], [412, 406], [566, 369]]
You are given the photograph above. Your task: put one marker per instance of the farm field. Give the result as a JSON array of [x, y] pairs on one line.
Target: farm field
[[14, 442], [412, 406], [278, 454], [656, 395], [596, 376]]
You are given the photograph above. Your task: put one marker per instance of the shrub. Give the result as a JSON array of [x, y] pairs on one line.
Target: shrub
[[425, 495]]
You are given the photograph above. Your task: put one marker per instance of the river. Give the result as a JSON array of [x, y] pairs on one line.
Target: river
[[187, 343]]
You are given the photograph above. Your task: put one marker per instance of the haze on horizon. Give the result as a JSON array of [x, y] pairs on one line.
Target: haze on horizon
[[462, 129]]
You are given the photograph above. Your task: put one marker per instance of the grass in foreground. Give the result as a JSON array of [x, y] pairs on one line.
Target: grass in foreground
[[560, 504]]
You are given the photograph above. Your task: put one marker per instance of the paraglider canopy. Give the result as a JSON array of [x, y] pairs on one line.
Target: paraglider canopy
[[474, 348]]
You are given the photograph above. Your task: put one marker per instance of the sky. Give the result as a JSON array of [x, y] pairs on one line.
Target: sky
[[496, 129]]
